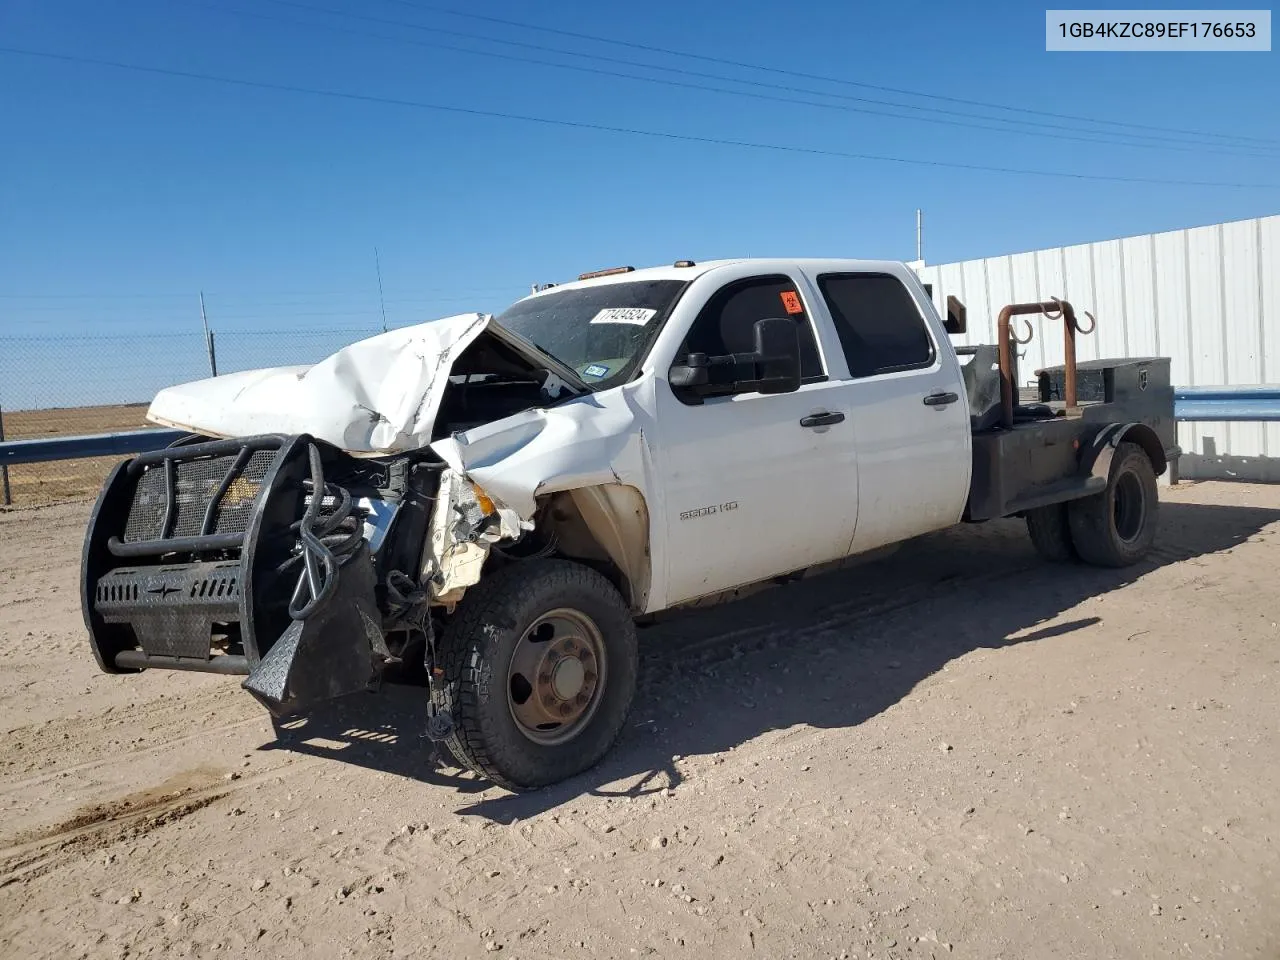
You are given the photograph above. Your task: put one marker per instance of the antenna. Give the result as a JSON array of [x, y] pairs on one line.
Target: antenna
[[208, 339], [377, 265], [919, 235]]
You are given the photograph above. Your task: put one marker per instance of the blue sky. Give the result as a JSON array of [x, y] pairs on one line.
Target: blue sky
[[123, 194]]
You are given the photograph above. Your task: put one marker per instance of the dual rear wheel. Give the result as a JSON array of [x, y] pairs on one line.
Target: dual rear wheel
[[1114, 528]]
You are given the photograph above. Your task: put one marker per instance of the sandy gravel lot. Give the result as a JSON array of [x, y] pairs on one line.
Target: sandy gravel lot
[[956, 751]]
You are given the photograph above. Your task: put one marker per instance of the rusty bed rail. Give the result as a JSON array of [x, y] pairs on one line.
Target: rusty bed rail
[[1051, 309]]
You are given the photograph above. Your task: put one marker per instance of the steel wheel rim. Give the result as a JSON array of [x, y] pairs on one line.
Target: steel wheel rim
[[1129, 511], [557, 676]]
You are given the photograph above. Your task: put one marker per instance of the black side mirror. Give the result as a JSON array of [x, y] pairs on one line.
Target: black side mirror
[[777, 355], [693, 373], [772, 367]]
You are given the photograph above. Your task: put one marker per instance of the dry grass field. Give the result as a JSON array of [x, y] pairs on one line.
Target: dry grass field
[[36, 484]]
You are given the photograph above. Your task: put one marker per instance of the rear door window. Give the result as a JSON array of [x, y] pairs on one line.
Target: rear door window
[[880, 327]]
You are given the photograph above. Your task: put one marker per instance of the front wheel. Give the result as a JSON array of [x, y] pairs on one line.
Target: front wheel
[[540, 666], [1115, 528]]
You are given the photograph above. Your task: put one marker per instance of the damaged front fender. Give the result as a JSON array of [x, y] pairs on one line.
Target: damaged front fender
[[588, 454]]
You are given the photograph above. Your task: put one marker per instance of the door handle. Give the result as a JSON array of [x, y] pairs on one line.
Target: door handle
[[940, 399], [821, 419]]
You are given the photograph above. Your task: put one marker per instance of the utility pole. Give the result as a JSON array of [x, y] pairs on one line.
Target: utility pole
[[208, 339], [919, 235], [377, 265]]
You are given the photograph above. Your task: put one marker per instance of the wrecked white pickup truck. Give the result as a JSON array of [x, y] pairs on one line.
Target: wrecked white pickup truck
[[497, 500]]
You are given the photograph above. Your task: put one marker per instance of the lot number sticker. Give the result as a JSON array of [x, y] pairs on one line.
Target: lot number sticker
[[791, 302], [637, 316]]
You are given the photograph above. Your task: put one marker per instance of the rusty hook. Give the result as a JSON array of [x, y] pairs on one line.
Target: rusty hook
[[1093, 324], [1054, 314], [1030, 334]]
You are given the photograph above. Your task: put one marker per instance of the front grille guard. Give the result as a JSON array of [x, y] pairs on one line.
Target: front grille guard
[[262, 546], [168, 460]]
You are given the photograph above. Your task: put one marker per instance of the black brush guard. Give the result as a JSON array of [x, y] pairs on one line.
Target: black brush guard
[[211, 556]]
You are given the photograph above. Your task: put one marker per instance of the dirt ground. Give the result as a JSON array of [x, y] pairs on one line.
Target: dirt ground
[[34, 484], [956, 751]]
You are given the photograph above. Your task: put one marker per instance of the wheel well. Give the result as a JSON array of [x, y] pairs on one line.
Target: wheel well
[[605, 527], [1146, 438], [1097, 460]]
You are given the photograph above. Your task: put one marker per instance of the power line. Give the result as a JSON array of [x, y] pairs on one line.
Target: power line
[[250, 299], [150, 335], [342, 316], [1090, 136], [825, 79], [628, 131]]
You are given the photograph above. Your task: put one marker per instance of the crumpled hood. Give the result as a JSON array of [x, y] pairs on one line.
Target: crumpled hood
[[376, 396]]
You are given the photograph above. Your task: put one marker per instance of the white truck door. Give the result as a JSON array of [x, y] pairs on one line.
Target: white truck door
[[908, 405], [755, 485]]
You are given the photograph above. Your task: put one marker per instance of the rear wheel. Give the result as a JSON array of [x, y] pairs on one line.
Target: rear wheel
[[540, 667], [1050, 532], [1115, 528]]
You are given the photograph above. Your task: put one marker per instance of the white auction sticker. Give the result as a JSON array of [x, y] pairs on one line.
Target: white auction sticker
[[638, 316], [1158, 30]]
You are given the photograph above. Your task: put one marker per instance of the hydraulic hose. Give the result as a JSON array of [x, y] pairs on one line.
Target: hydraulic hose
[[323, 545]]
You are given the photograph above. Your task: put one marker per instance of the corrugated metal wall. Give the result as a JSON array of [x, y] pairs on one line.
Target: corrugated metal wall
[[1208, 298]]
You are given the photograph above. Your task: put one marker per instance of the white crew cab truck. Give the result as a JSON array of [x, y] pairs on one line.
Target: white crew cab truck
[[493, 502]]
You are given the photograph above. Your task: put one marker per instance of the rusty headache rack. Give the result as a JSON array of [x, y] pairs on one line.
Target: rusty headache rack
[[1051, 309]]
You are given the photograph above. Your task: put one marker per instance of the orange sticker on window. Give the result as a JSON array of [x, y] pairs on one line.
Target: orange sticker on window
[[791, 302]]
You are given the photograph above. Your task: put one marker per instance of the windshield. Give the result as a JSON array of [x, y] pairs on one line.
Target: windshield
[[602, 332]]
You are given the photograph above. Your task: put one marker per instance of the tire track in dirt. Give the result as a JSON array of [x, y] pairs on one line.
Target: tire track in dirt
[[100, 825], [105, 823], [127, 756]]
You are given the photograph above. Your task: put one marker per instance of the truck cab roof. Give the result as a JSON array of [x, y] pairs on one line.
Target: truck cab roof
[[766, 264]]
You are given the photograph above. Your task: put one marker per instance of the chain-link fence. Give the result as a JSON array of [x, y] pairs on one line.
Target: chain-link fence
[[73, 385]]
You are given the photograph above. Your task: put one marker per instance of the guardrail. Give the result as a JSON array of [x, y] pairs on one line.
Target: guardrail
[[1253, 403], [1190, 404], [46, 449]]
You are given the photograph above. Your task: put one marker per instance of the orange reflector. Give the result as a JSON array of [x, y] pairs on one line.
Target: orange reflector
[[486, 505]]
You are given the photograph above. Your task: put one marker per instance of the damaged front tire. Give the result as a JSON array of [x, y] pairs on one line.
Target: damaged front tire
[[540, 668]]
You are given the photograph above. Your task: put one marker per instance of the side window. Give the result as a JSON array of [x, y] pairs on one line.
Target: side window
[[879, 325], [727, 323]]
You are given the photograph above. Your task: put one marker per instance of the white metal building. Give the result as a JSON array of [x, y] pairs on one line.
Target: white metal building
[[1207, 297]]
